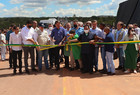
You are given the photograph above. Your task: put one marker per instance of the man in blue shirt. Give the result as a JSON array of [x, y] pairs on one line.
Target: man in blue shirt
[[78, 30], [109, 51], [8, 48], [98, 32], [58, 35]]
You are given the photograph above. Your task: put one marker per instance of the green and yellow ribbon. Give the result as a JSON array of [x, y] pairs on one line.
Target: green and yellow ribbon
[[53, 46]]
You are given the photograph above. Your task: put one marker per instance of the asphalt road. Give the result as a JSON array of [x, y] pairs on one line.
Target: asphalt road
[[65, 82]]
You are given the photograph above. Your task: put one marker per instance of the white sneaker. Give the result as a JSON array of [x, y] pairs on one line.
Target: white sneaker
[[135, 72], [126, 72]]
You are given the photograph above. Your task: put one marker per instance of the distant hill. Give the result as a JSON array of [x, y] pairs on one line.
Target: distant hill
[[6, 22]]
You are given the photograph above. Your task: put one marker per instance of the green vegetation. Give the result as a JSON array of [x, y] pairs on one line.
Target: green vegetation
[[6, 22]]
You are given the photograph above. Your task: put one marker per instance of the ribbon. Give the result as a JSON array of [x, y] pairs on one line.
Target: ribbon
[[53, 46]]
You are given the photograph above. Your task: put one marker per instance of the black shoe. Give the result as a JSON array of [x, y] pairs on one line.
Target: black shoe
[[48, 68], [96, 71], [83, 72], [109, 73], [71, 69], [91, 72], [113, 74], [27, 71], [103, 71], [77, 67], [14, 73], [119, 68], [34, 70], [20, 71], [10, 67], [58, 68]]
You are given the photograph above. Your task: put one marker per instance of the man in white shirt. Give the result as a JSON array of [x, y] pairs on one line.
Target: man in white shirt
[[3, 42], [98, 32], [35, 30], [15, 38], [27, 34]]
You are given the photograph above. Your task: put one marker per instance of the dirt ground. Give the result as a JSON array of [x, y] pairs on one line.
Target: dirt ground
[[64, 82]]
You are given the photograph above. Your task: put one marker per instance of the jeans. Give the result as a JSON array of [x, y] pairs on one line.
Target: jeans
[[44, 54], [110, 63], [17, 54], [31, 51], [96, 57], [120, 53], [103, 54]]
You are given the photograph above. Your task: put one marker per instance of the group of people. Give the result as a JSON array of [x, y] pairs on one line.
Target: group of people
[[84, 57]]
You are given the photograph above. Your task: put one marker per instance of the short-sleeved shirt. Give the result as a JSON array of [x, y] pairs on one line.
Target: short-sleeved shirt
[[87, 48], [109, 38], [58, 34], [98, 32], [76, 49], [2, 37], [78, 31], [26, 34], [8, 35]]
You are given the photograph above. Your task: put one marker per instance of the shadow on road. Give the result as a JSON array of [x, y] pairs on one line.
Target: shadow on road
[[61, 73]]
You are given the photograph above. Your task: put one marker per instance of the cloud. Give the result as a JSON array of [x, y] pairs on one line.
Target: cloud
[[43, 3], [79, 2], [1, 5], [80, 12], [113, 5], [21, 12], [38, 8], [106, 9]]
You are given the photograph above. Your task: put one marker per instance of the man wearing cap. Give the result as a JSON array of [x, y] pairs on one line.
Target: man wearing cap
[[42, 39]]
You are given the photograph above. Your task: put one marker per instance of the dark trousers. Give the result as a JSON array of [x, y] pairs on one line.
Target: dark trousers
[[62, 54], [31, 51], [36, 57], [57, 62], [77, 64], [10, 59], [51, 56], [138, 59], [66, 61], [87, 61], [17, 54]]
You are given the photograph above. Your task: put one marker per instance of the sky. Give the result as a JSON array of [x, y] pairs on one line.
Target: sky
[[58, 8]]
